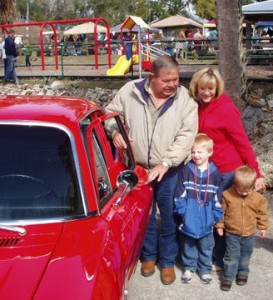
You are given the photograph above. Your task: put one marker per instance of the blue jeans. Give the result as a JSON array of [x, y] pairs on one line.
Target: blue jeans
[[237, 256], [197, 253], [220, 243], [10, 69], [161, 241]]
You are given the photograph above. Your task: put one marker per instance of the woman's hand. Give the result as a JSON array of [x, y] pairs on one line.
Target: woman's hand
[[259, 185]]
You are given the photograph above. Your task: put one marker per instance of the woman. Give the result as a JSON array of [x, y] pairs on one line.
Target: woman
[[220, 119]]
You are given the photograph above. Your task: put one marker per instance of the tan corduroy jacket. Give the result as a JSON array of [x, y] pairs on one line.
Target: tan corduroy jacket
[[242, 216], [171, 138]]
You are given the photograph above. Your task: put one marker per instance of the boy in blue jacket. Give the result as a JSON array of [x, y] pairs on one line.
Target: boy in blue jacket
[[197, 203]]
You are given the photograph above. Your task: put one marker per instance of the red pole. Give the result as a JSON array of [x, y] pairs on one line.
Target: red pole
[[51, 23], [42, 47]]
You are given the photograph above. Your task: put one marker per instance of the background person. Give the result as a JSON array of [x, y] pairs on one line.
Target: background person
[[28, 52], [161, 120], [11, 53], [197, 204], [3, 53], [220, 119], [244, 210]]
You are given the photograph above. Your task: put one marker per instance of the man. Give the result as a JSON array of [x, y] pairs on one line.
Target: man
[[161, 120], [11, 53], [3, 53]]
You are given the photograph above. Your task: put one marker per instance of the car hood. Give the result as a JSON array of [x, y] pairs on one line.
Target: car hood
[[24, 259], [51, 261]]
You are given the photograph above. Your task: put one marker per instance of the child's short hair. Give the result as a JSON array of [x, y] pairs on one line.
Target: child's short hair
[[204, 141], [244, 177]]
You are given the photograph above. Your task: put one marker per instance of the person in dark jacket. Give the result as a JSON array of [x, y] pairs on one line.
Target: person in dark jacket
[[197, 204], [11, 53]]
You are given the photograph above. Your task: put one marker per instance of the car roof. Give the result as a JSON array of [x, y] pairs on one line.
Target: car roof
[[55, 109]]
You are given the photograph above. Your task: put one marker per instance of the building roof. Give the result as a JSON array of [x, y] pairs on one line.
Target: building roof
[[176, 21], [259, 11]]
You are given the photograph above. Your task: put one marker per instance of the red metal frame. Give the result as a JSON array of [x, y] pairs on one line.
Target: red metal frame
[[51, 23]]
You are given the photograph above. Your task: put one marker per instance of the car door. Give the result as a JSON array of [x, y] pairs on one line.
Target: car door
[[126, 212]]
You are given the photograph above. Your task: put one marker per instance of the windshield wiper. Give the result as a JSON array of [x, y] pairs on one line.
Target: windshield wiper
[[20, 230]]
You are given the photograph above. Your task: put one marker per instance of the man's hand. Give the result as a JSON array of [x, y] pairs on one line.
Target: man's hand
[[157, 172], [119, 141]]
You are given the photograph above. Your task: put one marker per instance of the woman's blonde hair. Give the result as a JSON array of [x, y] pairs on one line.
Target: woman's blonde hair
[[206, 77], [202, 140], [244, 177]]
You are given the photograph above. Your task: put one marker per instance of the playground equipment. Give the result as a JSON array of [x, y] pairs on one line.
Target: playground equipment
[[52, 24], [148, 54], [124, 64], [145, 53]]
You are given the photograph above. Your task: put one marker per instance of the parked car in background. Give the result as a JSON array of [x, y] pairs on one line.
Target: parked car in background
[[73, 209]]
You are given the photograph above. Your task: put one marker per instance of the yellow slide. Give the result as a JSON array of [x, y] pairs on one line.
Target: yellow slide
[[122, 66]]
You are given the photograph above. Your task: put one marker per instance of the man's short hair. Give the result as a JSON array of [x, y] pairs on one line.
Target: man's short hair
[[164, 62], [244, 177]]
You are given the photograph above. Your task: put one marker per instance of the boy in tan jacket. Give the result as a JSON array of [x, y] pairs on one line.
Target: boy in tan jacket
[[244, 210]]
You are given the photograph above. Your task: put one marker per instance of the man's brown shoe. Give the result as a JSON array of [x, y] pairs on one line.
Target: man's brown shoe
[[167, 275], [148, 268]]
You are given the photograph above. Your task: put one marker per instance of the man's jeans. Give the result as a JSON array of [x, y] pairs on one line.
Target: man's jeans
[[238, 252], [10, 69], [197, 254], [161, 239]]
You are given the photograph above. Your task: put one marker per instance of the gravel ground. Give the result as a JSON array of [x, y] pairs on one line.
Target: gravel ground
[[259, 286]]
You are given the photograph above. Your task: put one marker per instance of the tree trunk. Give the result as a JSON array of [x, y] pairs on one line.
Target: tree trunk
[[231, 52], [7, 10]]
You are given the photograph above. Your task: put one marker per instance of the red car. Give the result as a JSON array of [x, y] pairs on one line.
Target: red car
[[73, 208]]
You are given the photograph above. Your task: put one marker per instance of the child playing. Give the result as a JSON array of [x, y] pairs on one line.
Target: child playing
[[244, 209], [28, 53], [197, 203]]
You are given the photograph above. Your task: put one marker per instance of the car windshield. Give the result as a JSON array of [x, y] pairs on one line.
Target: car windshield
[[37, 174]]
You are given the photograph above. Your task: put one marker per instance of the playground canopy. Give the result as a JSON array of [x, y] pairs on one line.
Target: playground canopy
[[88, 27], [176, 21], [131, 21]]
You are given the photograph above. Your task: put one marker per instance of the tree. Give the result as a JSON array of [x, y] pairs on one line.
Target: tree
[[231, 53], [164, 8], [205, 8], [7, 10]]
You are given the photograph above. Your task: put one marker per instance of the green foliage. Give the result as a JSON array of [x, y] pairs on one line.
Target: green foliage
[[205, 8], [165, 8], [114, 11]]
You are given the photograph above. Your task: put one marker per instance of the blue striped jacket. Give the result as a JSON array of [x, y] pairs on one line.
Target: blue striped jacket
[[198, 217]]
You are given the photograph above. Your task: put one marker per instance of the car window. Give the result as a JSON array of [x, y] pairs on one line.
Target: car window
[[103, 181], [37, 174], [109, 161]]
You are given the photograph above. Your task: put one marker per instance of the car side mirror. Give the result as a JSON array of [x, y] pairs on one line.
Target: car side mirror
[[126, 180]]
